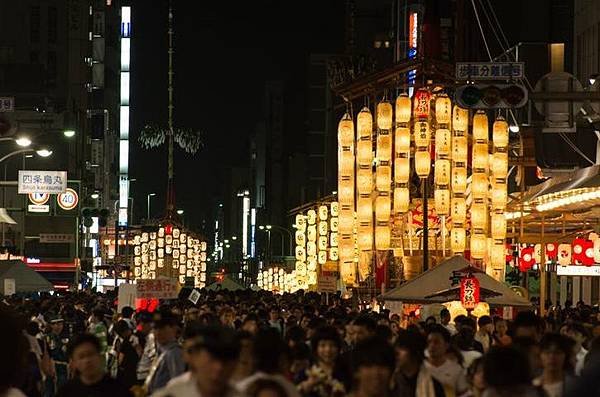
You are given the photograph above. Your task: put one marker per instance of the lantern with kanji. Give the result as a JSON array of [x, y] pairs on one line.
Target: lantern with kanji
[[526, 259], [469, 292]]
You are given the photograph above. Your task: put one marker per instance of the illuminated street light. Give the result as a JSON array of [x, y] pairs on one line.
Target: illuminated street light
[[69, 133], [23, 141], [95, 196], [44, 152], [514, 128], [180, 212]]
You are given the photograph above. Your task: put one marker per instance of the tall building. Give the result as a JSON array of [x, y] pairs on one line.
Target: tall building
[[59, 65]]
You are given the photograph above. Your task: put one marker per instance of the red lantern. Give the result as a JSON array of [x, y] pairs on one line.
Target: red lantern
[[526, 259], [168, 229], [469, 292], [422, 104], [583, 252], [552, 251]]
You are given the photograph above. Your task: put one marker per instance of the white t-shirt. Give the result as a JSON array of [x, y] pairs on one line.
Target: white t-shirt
[[185, 386], [469, 356], [580, 360], [288, 386], [12, 392], [449, 374]]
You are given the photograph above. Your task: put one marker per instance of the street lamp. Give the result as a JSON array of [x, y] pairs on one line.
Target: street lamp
[[148, 204], [69, 133], [44, 152], [40, 152], [281, 230], [23, 141], [180, 212]]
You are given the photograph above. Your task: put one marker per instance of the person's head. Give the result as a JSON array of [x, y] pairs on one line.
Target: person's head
[[445, 316], [430, 321], [144, 322], [274, 313], [227, 316], [410, 349], [555, 353], [527, 324], [305, 320], [250, 323], [486, 324], [84, 352], [577, 332], [122, 329], [395, 327], [98, 315], [32, 328], [266, 388], [300, 357], [213, 355], [373, 363], [505, 369], [295, 336], [191, 314], [57, 324], [501, 326], [475, 375], [364, 327], [530, 349], [326, 344], [438, 340], [127, 312], [166, 328]]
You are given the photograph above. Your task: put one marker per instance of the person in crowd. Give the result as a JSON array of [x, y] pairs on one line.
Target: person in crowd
[[485, 331], [169, 361], [275, 320], [127, 316], [57, 341], [300, 356], [501, 337], [475, 379], [531, 350], [91, 379], [445, 321], [97, 327], [506, 374], [449, 373], [464, 341], [266, 388], [250, 323], [144, 327], [411, 377], [13, 353], [227, 317], [245, 362], [128, 352], [212, 354], [578, 333], [326, 376], [271, 361], [555, 352], [373, 364], [527, 324], [364, 327], [295, 336]]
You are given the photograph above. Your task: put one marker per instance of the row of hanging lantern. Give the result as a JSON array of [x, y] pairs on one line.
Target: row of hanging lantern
[[276, 279], [393, 163], [317, 241]]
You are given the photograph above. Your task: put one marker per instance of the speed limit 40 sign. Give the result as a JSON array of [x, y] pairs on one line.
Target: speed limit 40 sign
[[67, 200]]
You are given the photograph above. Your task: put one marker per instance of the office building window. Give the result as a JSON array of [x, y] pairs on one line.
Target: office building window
[[34, 24], [51, 68], [52, 25]]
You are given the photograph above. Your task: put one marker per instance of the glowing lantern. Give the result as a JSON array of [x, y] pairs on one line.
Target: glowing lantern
[[498, 226], [401, 169], [443, 141], [323, 212], [457, 239], [422, 163], [480, 127], [460, 119], [469, 292], [459, 179], [384, 147], [442, 201], [498, 256], [402, 140], [526, 259], [479, 185], [365, 238], [499, 165], [364, 122], [403, 108], [421, 103], [384, 115], [346, 163], [422, 134], [500, 132], [383, 178], [459, 149], [479, 216], [364, 181], [401, 199], [478, 245], [459, 210], [364, 209], [382, 208], [168, 229], [443, 109], [346, 222], [499, 196], [480, 156], [364, 152], [382, 237], [442, 172], [334, 209], [346, 131]]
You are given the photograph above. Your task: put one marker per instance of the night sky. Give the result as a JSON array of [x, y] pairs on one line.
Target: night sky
[[224, 54]]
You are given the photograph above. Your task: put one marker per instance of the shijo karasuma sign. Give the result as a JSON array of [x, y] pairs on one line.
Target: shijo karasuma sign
[[52, 182]]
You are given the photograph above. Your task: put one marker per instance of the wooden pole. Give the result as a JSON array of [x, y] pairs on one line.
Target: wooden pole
[[543, 274]]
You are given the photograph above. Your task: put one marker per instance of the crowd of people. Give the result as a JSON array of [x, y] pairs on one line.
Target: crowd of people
[[249, 343]]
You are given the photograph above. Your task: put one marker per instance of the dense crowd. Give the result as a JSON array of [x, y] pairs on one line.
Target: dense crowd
[[248, 343]]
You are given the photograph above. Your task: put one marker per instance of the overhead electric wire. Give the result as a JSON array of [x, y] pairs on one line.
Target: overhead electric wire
[[498, 24], [575, 148], [487, 48]]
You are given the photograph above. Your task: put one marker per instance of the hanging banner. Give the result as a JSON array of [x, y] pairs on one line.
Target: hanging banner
[[157, 288]]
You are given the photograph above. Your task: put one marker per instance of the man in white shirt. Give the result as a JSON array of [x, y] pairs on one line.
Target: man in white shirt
[[445, 320], [212, 356], [577, 332], [449, 373]]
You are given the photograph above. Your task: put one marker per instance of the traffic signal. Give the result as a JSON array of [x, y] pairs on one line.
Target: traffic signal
[[88, 213], [491, 96]]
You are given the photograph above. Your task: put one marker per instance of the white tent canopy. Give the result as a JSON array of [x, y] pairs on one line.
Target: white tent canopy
[[26, 279], [437, 279]]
